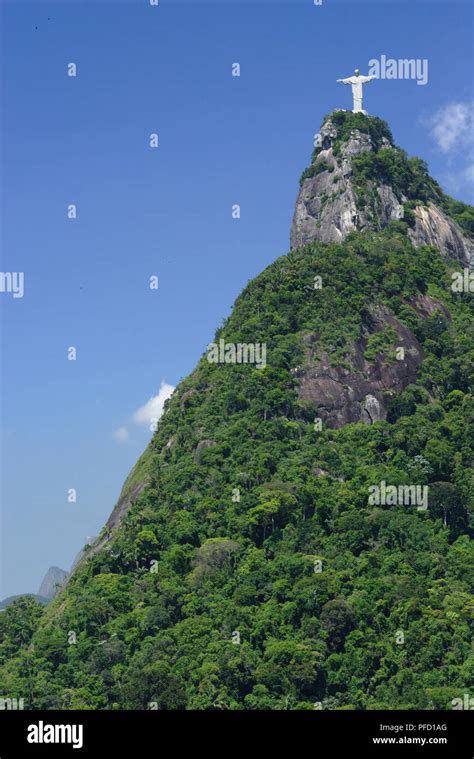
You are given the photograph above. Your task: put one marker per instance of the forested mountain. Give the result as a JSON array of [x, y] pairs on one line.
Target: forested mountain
[[296, 535]]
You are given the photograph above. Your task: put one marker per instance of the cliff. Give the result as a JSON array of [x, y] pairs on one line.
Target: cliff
[[360, 180]]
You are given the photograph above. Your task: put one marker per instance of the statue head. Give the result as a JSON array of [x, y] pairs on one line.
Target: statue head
[[357, 72]]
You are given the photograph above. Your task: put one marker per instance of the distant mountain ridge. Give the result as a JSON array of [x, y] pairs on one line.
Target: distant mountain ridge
[[51, 583], [10, 599]]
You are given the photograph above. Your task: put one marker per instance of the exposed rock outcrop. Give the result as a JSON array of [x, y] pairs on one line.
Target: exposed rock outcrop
[[201, 447], [360, 393], [425, 305], [328, 207], [433, 227], [130, 493], [90, 540], [123, 504], [186, 397]]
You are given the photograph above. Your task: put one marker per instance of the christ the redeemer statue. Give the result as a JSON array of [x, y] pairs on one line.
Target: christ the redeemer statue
[[357, 81]]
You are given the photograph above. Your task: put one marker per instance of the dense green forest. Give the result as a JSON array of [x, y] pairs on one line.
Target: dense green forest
[[252, 572]]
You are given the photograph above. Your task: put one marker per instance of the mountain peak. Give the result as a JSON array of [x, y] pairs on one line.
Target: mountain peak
[[340, 125], [52, 581], [359, 179]]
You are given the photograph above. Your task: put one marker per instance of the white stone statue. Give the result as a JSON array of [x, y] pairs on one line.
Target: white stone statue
[[357, 81]]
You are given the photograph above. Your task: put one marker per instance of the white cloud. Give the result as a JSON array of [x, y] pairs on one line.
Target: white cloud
[[452, 126], [120, 434], [153, 409]]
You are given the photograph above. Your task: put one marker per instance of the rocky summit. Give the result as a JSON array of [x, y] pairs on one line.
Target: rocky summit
[[297, 533], [359, 179]]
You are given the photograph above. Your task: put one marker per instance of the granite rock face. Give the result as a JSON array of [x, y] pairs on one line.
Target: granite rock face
[[361, 392], [326, 207], [433, 227], [327, 210]]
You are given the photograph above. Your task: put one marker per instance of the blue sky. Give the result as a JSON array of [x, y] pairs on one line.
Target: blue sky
[[141, 211]]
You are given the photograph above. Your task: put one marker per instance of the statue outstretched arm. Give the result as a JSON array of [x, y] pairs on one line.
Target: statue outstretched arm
[[344, 81], [365, 79]]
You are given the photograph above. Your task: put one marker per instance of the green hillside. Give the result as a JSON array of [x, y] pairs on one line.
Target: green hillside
[[252, 571]]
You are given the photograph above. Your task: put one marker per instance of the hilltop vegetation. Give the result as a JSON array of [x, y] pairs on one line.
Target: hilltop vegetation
[[252, 573]]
